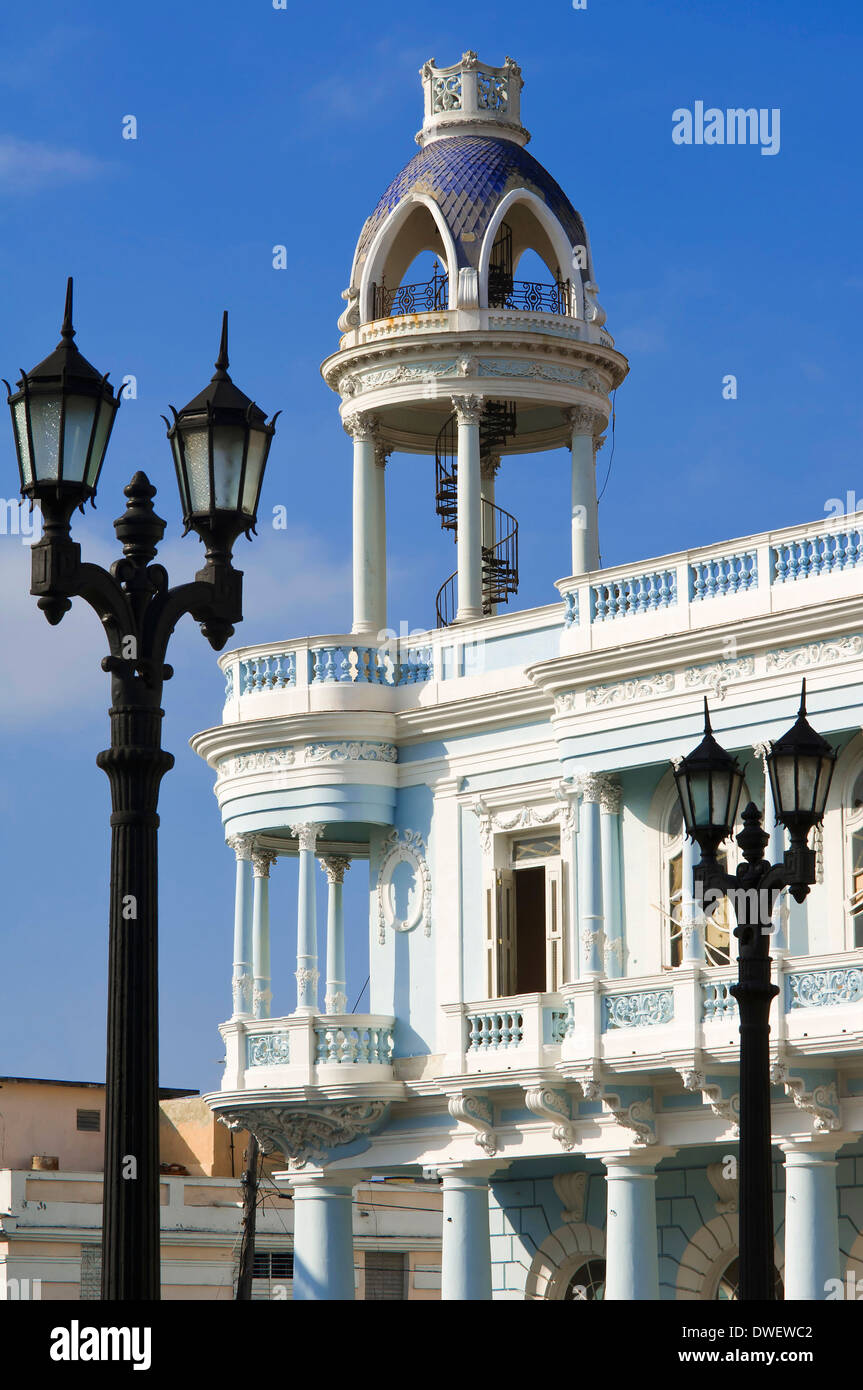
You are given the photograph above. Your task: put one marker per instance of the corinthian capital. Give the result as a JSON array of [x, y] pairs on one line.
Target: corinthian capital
[[598, 786], [361, 425], [262, 861], [335, 866], [582, 419], [382, 453], [307, 834], [241, 845], [468, 409]]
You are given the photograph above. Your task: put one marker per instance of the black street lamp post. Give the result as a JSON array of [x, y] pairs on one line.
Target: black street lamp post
[[63, 412], [709, 783]]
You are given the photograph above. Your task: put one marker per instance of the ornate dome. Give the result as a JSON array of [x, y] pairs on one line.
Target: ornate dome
[[467, 176]]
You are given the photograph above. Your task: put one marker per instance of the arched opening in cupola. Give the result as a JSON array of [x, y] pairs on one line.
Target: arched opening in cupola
[[409, 268], [527, 261]]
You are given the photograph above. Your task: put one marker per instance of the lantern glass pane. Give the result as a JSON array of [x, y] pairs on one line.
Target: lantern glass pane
[[23, 442], [228, 444], [786, 788], [100, 442], [45, 425], [196, 448], [258, 442], [181, 477], [78, 427], [699, 795]]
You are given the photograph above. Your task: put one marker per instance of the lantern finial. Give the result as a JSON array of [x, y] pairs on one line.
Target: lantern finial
[[708, 727], [222, 362], [67, 332], [802, 710]]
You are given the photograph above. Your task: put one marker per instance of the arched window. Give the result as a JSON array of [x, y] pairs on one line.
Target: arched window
[[587, 1284], [728, 1286]]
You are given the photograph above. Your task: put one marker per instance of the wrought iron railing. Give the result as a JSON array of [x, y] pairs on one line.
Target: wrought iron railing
[[411, 299], [531, 295]]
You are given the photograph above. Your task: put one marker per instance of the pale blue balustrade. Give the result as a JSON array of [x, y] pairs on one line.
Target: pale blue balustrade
[[625, 598], [809, 556], [487, 1032], [229, 683], [824, 989], [353, 1045], [570, 610], [272, 672], [268, 1050], [370, 665], [717, 1003], [555, 1021], [646, 1008], [723, 576]]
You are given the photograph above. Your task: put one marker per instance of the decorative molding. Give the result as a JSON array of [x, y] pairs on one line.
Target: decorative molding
[[335, 866], [815, 653], [241, 991], [307, 1135], [553, 1105], [351, 752], [726, 1189], [524, 818], [571, 1189], [638, 1117], [307, 834], [822, 1102], [824, 989], [598, 786], [622, 692], [718, 674], [268, 1049], [306, 976], [336, 1003], [645, 1008], [409, 849], [727, 1108], [267, 760], [583, 419], [261, 1001], [474, 1110]]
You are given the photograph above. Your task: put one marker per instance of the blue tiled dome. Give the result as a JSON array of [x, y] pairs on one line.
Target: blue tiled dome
[[468, 175]]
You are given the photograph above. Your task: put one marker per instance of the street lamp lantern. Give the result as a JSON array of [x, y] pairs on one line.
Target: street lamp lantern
[[709, 781], [800, 765], [220, 442], [62, 413]]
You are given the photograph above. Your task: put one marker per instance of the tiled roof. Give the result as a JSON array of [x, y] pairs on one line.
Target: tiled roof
[[468, 175]]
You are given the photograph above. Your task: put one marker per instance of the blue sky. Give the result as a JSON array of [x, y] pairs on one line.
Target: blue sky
[[259, 127]]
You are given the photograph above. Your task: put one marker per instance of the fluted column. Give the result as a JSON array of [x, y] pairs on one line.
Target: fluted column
[[591, 917], [242, 979], [585, 425], [335, 866], [307, 921], [465, 1245], [369, 540], [262, 861], [468, 411], [612, 888], [811, 1220], [632, 1252]]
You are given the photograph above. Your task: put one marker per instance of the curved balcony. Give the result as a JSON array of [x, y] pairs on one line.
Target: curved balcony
[[307, 1050]]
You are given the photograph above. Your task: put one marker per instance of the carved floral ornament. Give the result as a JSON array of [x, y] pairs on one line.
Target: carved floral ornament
[[307, 1135], [407, 848]]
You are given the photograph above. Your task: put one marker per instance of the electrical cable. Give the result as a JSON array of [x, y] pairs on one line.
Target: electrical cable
[[611, 456]]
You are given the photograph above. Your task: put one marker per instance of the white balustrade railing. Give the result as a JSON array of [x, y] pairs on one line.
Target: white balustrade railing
[[307, 1050]]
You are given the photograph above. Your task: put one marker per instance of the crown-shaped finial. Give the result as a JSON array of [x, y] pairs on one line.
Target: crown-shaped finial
[[474, 98]]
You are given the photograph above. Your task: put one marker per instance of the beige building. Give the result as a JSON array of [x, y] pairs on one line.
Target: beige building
[[51, 1140]]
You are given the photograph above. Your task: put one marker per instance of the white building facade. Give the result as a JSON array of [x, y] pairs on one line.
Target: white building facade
[[550, 1028]]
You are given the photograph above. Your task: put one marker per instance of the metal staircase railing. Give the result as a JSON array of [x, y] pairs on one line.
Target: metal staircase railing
[[499, 527]]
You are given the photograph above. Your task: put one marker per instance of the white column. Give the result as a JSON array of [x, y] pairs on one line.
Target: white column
[[612, 888], [262, 862], [307, 921], [335, 866], [465, 1244], [591, 916], [811, 1220], [468, 410], [585, 424], [323, 1239], [691, 917], [488, 476], [380, 566], [241, 983], [775, 851], [631, 1252], [368, 537]]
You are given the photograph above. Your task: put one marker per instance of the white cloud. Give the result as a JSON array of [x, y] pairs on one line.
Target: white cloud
[[26, 166]]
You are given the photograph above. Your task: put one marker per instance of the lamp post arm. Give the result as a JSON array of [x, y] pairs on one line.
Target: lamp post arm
[[214, 599]]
